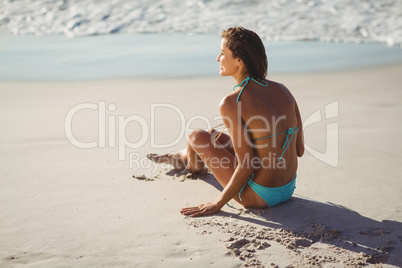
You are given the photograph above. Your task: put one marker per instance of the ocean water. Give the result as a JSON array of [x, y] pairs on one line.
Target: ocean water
[[107, 39], [358, 21], [46, 58]]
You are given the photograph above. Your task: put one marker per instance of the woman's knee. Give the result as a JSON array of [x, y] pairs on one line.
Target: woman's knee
[[199, 137]]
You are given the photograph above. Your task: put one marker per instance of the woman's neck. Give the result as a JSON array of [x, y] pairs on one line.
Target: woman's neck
[[240, 77]]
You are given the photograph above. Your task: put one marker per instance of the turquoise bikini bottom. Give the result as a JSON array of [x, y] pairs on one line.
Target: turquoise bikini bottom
[[273, 196]]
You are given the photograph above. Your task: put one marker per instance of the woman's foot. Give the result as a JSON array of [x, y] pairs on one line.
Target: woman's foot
[[203, 171], [172, 159]]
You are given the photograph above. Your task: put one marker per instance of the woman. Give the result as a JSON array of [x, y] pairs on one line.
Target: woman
[[256, 163]]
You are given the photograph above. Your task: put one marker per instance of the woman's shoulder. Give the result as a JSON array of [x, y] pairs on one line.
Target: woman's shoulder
[[229, 99], [276, 84], [280, 88], [228, 103]]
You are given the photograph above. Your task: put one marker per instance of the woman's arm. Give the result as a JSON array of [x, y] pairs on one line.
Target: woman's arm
[[300, 136], [243, 146]]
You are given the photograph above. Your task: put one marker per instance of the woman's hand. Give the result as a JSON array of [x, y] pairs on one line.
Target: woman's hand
[[201, 210]]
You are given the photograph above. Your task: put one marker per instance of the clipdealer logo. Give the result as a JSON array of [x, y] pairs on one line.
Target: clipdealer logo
[[107, 125], [331, 154]]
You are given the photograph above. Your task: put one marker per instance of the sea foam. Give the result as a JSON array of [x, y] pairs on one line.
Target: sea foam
[[370, 21]]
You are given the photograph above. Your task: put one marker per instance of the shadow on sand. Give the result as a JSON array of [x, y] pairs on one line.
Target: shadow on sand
[[380, 239]]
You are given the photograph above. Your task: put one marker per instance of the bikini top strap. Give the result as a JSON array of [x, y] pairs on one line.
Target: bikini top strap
[[289, 137], [245, 82], [290, 133]]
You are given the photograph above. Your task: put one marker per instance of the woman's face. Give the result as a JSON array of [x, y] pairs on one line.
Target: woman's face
[[227, 64]]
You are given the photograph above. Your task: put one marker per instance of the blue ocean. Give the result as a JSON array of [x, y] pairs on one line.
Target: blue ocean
[[87, 39]]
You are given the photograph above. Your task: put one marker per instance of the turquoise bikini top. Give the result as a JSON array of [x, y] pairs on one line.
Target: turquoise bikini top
[[289, 132], [245, 82]]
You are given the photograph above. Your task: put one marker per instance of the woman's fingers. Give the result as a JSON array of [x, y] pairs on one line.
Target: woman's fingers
[[190, 210], [194, 213], [203, 209], [197, 214]]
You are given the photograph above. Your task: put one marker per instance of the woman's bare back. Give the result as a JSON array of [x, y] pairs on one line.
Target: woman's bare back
[[268, 111]]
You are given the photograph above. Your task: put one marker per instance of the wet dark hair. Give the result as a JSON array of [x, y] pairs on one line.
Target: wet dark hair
[[247, 46]]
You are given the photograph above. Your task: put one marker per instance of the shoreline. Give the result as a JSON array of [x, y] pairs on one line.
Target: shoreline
[[58, 58], [212, 76]]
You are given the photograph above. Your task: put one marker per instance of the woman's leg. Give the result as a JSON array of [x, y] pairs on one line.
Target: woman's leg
[[176, 159], [219, 157], [222, 162], [180, 160], [201, 142]]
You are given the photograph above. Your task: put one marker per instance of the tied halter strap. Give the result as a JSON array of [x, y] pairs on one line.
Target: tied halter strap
[[289, 133], [245, 82]]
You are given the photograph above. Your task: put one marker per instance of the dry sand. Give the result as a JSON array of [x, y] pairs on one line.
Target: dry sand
[[64, 206]]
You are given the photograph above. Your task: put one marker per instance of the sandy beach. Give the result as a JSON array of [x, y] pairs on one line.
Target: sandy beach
[[106, 206]]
